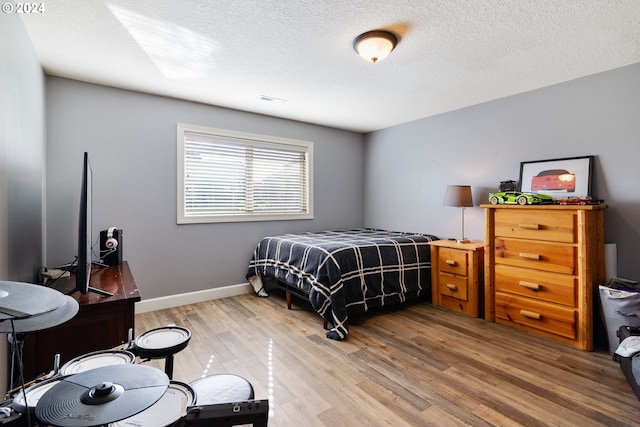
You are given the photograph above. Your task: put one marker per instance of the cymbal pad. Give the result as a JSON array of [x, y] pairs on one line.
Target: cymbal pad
[[102, 395]]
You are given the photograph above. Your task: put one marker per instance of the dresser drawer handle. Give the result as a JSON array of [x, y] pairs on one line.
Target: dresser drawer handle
[[450, 262], [530, 226], [525, 255], [530, 314], [533, 286], [451, 287]]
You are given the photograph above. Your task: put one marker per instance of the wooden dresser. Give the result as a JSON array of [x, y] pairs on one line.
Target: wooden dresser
[[456, 276], [542, 265]]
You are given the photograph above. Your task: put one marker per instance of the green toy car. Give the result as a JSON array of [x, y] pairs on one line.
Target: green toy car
[[519, 198]]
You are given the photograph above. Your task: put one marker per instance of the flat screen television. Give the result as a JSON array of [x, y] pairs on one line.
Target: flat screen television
[[83, 268]]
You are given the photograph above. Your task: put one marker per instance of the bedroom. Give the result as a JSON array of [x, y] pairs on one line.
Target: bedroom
[[480, 145]]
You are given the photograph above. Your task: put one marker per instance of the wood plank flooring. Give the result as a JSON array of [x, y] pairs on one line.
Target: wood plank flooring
[[416, 366]]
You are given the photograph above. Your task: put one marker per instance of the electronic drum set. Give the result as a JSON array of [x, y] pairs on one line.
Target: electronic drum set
[[102, 388]]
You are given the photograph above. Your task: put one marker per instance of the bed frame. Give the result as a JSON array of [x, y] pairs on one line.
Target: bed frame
[[289, 292]]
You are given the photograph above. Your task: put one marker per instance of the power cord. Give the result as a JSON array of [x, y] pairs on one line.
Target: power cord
[[49, 276]]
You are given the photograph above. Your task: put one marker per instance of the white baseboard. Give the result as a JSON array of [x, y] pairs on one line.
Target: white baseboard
[[177, 300]]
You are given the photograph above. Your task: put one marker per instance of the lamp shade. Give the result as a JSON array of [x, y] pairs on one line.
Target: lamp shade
[[458, 195], [374, 46]]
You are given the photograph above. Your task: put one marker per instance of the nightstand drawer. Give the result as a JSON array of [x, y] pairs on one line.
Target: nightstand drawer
[[453, 261], [551, 287], [558, 258], [458, 304], [552, 226], [453, 286], [551, 318]]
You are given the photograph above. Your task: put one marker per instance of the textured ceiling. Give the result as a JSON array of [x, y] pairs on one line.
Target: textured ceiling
[[232, 53]]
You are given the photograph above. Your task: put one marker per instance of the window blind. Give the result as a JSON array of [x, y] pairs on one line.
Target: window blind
[[232, 176]]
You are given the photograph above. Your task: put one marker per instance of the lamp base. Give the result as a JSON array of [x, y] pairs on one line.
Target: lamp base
[[463, 240]]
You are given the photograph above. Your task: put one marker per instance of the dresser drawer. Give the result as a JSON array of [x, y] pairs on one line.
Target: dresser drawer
[[551, 226], [453, 261], [542, 285], [453, 286], [558, 258], [539, 315]]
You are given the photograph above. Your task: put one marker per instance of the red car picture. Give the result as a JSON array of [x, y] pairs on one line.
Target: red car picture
[[554, 179]]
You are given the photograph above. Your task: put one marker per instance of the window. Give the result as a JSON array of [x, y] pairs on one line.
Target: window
[[226, 176]]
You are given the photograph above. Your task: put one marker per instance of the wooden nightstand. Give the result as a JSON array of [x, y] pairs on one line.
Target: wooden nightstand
[[457, 276]]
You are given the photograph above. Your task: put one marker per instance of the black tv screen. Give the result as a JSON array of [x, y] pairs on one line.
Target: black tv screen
[[85, 243], [83, 270]]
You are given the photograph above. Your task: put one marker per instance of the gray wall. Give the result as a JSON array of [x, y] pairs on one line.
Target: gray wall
[[21, 160], [22, 147], [131, 140], [408, 166]]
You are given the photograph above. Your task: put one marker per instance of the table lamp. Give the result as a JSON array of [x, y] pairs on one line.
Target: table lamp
[[459, 196]]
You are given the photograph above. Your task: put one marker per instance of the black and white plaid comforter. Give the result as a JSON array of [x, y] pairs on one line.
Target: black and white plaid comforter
[[348, 270]]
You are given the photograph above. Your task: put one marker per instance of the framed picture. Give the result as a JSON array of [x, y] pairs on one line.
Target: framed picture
[[558, 178]]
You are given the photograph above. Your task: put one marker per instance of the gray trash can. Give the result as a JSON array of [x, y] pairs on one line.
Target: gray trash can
[[620, 307]]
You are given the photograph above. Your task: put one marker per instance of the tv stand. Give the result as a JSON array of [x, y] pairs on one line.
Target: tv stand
[[96, 290], [102, 322], [92, 289], [100, 292]]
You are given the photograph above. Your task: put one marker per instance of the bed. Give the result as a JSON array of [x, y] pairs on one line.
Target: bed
[[345, 271]]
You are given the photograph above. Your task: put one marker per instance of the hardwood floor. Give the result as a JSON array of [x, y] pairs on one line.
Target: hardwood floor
[[416, 366]]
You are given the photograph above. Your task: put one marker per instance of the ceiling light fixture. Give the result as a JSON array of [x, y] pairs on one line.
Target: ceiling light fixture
[[374, 46]]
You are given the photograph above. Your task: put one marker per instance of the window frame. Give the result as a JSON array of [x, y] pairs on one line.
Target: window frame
[[264, 140]]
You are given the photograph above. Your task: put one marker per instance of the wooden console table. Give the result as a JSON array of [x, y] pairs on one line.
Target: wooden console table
[[102, 323]]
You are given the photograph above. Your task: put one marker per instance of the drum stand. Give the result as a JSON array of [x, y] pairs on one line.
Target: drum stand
[[168, 341], [168, 366], [16, 343], [168, 361]]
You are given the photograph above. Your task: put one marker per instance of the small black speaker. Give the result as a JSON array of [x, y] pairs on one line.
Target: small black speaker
[[111, 254]]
